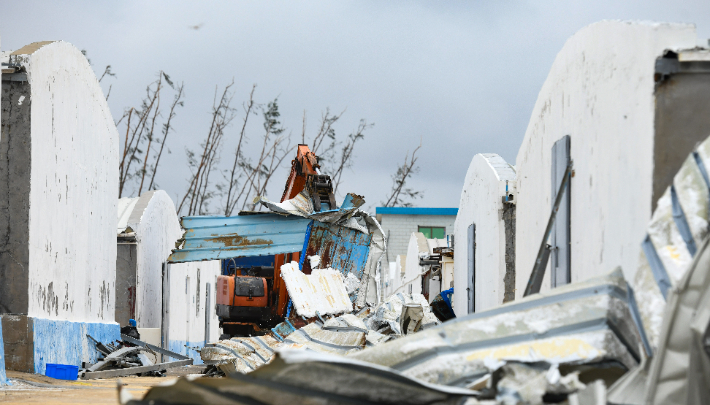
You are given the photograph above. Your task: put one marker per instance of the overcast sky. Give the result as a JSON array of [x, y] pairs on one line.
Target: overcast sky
[[462, 77]]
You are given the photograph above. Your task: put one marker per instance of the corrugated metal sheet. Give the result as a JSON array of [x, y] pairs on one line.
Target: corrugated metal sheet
[[340, 248], [584, 323], [321, 292], [304, 377], [211, 238]]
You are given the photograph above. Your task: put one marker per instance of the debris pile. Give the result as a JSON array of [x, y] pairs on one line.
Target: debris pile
[[130, 356]]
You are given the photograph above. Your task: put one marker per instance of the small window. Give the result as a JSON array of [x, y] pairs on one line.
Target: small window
[[433, 232]]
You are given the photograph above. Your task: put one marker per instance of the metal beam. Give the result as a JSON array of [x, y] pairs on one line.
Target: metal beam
[[133, 370], [155, 348], [543, 253]]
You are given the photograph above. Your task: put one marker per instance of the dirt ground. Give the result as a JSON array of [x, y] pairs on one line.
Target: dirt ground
[[35, 388]]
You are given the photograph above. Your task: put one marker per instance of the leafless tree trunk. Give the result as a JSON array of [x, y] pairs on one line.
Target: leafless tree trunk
[[198, 192], [229, 205], [177, 101], [399, 181], [150, 135]]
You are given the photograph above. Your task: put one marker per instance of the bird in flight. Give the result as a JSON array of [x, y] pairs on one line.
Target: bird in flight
[[196, 27]]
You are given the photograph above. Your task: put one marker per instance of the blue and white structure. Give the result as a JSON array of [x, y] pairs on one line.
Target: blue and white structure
[[59, 170]]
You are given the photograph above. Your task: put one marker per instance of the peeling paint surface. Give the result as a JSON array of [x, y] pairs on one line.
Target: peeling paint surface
[[65, 342], [586, 94], [340, 248], [189, 303], [73, 189]]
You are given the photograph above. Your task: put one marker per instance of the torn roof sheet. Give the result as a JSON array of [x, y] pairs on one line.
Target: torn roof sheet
[[304, 377], [588, 322], [321, 292], [211, 238]]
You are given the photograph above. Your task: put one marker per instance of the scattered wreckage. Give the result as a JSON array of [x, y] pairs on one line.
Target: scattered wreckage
[[600, 341], [130, 356]]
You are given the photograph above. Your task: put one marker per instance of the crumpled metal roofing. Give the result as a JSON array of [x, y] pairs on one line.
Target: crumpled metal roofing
[[583, 323], [211, 238], [304, 377]]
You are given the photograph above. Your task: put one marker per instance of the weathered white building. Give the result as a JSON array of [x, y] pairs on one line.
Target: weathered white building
[[177, 298], [626, 109], [59, 187], [190, 317], [147, 229], [484, 236]]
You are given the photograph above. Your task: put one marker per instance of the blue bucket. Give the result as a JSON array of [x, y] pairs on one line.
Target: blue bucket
[[62, 371]]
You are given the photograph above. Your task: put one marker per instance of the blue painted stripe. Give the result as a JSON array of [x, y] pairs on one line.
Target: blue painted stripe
[[181, 346], [682, 223], [416, 211], [3, 376], [657, 267], [65, 342]]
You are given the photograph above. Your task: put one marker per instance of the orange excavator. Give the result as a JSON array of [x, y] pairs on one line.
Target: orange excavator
[[251, 295]]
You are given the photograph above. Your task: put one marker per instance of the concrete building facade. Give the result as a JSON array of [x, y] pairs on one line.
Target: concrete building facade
[[399, 223], [484, 235], [59, 171]]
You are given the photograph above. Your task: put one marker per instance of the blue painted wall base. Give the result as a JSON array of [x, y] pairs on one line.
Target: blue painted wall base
[[178, 346], [65, 342], [3, 376]]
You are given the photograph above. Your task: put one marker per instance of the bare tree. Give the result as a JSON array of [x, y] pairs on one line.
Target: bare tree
[[199, 192], [234, 176], [177, 101], [335, 155], [273, 152], [346, 153], [135, 134], [400, 191]]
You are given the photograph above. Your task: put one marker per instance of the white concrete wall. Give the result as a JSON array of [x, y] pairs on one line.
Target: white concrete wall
[[156, 225], [412, 270], [187, 302], [73, 189], [600, 91], [481, 203], [400, 228]]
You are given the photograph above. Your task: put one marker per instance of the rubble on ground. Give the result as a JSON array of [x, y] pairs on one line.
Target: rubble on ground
[[130, 356]]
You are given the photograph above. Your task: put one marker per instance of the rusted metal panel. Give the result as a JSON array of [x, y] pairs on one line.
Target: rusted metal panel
[[340, 248], [210, 238]]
